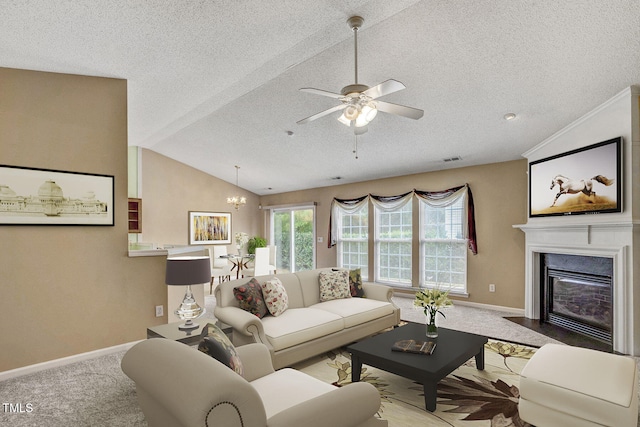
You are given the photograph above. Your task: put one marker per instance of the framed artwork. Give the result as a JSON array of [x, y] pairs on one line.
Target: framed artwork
[[209, 228], [583, 181], [30, 196]]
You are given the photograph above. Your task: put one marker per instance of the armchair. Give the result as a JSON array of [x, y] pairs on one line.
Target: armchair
[[180, 386]]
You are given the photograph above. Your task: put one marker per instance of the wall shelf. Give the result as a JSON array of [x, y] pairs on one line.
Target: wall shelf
[[135, 215]]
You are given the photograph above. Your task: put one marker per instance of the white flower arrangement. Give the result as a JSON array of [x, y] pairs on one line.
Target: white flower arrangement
[[431, 301], [241, 238]]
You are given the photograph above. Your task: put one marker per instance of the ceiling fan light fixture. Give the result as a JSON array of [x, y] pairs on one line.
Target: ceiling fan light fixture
[[342, 119], [370, 111], [361, 121], [352, 112]]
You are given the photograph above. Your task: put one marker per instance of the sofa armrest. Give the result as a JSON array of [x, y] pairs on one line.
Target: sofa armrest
[[256, 361], [351, 405], [244, 323], [377, 291], [178, 385]]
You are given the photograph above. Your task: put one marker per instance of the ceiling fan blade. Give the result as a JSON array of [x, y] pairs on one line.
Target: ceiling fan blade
[[384, 88], [322, 113], [399, 110], [321, 92]]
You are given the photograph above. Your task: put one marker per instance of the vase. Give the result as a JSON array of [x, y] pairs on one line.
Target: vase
[[432, 328]]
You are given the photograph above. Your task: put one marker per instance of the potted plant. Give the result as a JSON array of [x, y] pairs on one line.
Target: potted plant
[[256, 242]]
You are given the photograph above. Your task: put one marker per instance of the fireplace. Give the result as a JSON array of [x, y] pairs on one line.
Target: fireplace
[[577, 294]]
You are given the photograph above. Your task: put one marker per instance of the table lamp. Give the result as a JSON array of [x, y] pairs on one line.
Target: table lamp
[[188, 270]]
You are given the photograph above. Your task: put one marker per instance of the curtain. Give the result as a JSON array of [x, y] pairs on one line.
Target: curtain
[[441, 199], [388, 203], [349, 206]]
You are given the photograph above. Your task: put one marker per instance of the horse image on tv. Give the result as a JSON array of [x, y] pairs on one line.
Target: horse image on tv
[[575, 186]]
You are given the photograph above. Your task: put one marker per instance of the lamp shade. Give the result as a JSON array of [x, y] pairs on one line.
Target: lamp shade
[[188, 270]]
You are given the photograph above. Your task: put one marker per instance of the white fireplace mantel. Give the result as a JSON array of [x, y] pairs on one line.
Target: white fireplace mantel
[[605, 235], [609, 240]]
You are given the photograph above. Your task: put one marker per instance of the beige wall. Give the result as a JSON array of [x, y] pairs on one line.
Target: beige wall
[[500, 195], [70, 289], [171, 189]]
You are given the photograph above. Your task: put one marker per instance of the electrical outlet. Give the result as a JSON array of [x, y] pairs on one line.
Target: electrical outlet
[[492, 287], [159, 310]]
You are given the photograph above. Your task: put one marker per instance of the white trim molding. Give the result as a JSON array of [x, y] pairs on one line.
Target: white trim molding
[[26, 370]]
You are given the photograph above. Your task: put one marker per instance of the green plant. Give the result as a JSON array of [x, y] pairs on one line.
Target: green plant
[[256, 242]]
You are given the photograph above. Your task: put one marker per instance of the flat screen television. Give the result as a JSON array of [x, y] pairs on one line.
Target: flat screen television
[[587, 180]]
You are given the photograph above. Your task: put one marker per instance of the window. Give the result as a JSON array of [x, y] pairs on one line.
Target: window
[[443, 247], [293, 231], [393, 244], [353, 240]]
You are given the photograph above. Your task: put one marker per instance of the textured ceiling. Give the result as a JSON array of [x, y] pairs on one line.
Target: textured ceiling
[[214, 84]]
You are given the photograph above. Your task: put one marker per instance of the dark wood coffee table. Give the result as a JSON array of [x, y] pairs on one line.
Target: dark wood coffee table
[[453, 348]]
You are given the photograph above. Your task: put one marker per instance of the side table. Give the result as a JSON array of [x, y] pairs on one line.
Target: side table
[[190, 337]]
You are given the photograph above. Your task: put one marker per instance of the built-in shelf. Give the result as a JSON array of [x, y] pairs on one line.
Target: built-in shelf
[[135, 215]]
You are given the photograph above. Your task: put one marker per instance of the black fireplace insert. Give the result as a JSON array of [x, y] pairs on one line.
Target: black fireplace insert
[[577, 294]]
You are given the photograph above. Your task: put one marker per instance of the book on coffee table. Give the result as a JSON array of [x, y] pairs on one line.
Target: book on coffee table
[[413, 346]]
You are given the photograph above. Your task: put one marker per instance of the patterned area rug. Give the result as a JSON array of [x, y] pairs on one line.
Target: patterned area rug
[[466, 398]]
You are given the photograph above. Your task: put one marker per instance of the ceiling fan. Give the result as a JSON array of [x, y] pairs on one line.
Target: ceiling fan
[[359, 102]]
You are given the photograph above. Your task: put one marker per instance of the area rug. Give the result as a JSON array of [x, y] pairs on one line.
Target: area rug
[[466, 398]]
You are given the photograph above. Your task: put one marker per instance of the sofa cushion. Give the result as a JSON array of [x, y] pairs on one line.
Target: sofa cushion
[[355, 283], [275, 296], [299, 325], [286, 388], [334, 285], [250, 298], [217, 345], [356, 311]]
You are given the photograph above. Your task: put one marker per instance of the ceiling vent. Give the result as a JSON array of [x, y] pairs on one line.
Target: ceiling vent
[[452, 159]]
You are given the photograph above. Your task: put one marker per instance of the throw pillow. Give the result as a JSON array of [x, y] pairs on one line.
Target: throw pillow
[[250, 298], [217, 345], [334, 285], [355, 283], [275, 296]]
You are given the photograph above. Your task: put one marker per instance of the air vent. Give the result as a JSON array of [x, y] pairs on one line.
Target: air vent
[[452, 159]]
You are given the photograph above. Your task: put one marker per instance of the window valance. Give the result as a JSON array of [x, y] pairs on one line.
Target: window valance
[[442, 198]]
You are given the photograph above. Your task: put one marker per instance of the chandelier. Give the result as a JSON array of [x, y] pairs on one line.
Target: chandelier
[[237, 201]]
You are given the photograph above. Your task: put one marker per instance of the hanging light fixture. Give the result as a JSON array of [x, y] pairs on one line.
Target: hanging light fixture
[[237, 201]]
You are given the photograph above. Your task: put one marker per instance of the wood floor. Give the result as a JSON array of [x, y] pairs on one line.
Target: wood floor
[[561, 334]]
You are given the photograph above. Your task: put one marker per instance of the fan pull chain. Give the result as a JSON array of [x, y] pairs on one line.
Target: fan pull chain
[[355, 146]]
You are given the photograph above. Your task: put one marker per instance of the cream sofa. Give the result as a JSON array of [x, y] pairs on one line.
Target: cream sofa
[[308, 327], [179, 386]]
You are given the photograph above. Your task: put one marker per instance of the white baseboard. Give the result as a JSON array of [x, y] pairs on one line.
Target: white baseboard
[[26, 370], [515, 311]]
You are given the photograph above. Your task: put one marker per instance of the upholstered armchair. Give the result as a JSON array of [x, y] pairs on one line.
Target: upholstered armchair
[[178, 385]]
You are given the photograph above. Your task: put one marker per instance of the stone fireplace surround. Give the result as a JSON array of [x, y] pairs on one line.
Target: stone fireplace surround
[[609, 240]]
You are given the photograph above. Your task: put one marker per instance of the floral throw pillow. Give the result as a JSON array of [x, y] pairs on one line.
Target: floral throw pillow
[[217, 345], [355, 283], [275, 296], [250, 298], [334, 285]]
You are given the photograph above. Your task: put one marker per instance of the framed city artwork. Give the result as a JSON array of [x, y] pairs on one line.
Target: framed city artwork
[[31, 196], [209, 228]]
